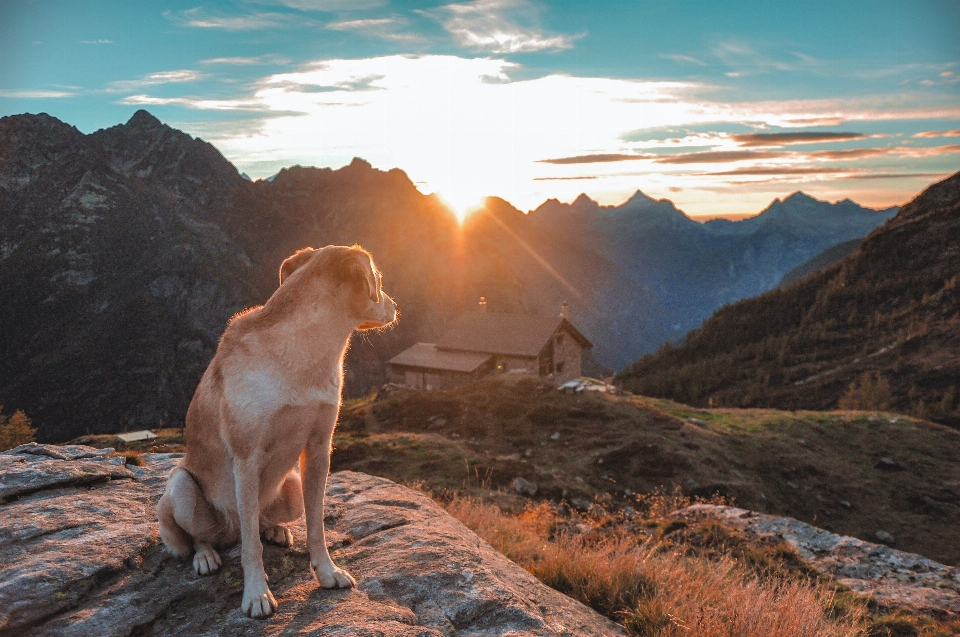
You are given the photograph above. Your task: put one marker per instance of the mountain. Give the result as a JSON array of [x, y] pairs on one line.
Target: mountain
[[124, 252], [822, 260], [672, 272], [881, 326]]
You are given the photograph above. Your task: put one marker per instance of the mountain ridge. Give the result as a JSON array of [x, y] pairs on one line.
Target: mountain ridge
[[889, 311], [124, 252]]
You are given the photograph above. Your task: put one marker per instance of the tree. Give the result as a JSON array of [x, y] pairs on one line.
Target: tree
[[871, 393], [15, 429]]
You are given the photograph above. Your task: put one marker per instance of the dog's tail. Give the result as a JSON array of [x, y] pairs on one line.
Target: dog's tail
[[174, 537]]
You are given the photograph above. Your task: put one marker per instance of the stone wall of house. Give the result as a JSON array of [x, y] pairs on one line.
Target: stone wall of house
[[513, 363], [420, 379], [567, 357]]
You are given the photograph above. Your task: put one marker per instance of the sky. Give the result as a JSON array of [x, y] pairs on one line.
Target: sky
[[719, 106]]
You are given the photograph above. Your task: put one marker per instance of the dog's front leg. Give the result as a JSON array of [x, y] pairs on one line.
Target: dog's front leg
[[314, 465], [258, 601]]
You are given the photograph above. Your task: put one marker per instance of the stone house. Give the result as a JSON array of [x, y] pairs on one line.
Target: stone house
[[482, 342]]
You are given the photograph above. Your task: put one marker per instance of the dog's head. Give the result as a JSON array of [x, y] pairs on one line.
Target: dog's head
[[356, 280]]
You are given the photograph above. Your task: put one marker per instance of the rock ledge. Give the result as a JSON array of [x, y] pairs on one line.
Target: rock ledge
[[80, 555]]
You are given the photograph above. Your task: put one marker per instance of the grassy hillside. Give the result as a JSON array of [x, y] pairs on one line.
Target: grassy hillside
[[849, 472], [878, 330]]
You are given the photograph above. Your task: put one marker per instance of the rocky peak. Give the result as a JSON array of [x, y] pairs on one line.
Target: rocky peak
[[639, 198], [143, 120]]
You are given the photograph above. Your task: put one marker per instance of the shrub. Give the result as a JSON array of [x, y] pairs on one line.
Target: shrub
[[871, 393], [15, 430], [651, 592]]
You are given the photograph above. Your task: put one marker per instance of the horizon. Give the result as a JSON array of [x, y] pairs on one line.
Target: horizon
[[718, 109]]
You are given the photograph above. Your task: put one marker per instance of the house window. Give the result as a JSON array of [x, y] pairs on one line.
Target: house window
[[559, 339], [559, 368]]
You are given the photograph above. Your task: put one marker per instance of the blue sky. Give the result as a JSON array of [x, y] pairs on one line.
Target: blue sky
[[719, 106]]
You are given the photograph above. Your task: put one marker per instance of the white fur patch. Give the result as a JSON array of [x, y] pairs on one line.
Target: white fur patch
[[256, 394]]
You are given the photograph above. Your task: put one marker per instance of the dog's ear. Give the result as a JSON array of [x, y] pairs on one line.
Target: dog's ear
[[292, 263], [360, 268]]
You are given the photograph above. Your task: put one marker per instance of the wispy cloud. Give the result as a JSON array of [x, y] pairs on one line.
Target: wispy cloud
[[96, 42], [200, 19], [599, 158], [780, 170], [383, 28], [247, 61], [154, 79], [326, 5], [194, 103], [26, 93], [938, 133], [577, 178], [499, 26], [781, 139], [685, 59], [719, 157]]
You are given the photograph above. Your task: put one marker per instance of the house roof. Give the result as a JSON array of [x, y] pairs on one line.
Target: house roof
[[134, 436], [428, 356], [505, 334]]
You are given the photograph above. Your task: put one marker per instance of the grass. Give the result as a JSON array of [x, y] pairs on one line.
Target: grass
[[624, 554], [655, 590]]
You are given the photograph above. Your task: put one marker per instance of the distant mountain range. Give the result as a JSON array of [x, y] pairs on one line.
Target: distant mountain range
[[124, 252], [888, 313]]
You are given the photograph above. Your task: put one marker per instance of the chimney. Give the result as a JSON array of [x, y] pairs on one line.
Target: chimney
[[483, 305], [564, 310]]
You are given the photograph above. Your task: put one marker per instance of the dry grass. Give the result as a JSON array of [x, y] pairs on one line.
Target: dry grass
[[653, 592]]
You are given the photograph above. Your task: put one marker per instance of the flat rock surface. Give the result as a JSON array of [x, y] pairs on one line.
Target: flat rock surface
[[82, 557], [892, 577]]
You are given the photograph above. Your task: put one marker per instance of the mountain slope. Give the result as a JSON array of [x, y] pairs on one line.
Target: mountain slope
[[674, 272], [891, 308], [124, 252], [822, 260]]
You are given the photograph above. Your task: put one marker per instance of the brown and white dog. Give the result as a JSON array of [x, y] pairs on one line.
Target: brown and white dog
[[270, 397]]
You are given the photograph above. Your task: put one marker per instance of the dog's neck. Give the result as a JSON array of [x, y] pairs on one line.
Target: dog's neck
[[313, 339]]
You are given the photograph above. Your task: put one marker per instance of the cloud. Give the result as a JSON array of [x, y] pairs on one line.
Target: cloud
[[469, 126], [779, 170], [938, 133], [198, 18], [578, 178], [719, 156], [498, 26], [195, 103], [748, 61], [247, 61], [154, 79], [853, 153], [876, 175], [383, 28], [686, 59], [599, 158], [780, 139], [26, 93], [327, 5], [96, 42]]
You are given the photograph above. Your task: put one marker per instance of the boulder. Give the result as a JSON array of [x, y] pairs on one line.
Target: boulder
[[893, 578], [81, 556]]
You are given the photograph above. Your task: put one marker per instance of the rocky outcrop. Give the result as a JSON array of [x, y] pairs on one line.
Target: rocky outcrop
[[894, 578], [80, 555]]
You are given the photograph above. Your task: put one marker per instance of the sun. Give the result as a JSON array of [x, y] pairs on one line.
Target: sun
[[462, 201]]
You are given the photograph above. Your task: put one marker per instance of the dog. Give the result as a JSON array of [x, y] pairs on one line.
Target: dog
[[270, 398]]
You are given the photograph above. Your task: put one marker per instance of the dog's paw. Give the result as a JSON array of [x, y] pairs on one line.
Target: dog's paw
[[279, 535], [206, 560], [258, 601], [333, 577]]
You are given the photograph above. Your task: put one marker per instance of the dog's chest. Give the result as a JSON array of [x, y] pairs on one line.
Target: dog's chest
[[257, 394]]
